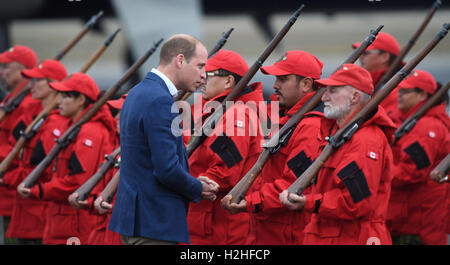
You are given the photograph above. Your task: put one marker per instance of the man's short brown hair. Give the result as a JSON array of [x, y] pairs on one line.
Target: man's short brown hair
[[178, 44]]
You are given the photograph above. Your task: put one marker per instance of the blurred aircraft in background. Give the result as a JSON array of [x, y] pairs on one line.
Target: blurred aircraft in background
[[259, 10]]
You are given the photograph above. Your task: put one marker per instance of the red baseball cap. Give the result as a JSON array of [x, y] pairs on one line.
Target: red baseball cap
[[420, 79], [295, 62], [350, 74], [21, 54], [227, 60], [78, 82], [47, 69], [117, 103], [384, 42]]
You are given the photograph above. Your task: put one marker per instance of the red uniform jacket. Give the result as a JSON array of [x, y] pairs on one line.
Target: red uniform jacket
[[349, 199], [271, 222], [28, 215], [11, 125], [225, 158], [418, 204], [75, 164]]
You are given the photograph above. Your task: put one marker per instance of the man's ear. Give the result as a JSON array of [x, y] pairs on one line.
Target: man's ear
[[422, 95], [356, 97], [179, 60], [81, 99], [307, 85], [230, 82], [385, 57]]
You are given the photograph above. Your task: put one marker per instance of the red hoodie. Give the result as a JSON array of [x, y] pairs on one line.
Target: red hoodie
[[272, 223], [10, 126], [418, 204], [28, 215], [225, 158], [74, 165], [349, 199]]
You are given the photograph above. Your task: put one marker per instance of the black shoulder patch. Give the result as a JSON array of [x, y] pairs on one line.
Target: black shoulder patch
[[74, 165], [225, 148], [418, 155], [299, 163], [38, 154], [21, 126], [355, 181]]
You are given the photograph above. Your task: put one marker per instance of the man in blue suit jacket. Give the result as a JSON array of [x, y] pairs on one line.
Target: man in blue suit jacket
[[155, 186]]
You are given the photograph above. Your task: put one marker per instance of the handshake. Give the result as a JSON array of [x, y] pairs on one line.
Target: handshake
[[209, 188]]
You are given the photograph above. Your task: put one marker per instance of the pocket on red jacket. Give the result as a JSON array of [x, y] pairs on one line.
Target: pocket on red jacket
[[324, 228], [63, 220], [200, 219]]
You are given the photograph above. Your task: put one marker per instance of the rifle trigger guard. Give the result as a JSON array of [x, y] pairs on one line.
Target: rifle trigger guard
[[281, 142], [348, 133]]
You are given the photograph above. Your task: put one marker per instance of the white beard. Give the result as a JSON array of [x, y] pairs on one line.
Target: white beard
[[336, 112]]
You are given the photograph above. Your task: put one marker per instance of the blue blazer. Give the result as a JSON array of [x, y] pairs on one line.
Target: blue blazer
[[155, 186]]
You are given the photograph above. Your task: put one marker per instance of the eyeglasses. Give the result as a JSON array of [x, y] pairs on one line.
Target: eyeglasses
[[372, 51], [34, 80], [211, 74], [407, 90]]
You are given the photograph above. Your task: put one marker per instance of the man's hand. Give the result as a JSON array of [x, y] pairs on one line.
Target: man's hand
[[233, 208], [102, 206], [438, 178], [24, 192], [77, 204], [292, 201], [209, 188]]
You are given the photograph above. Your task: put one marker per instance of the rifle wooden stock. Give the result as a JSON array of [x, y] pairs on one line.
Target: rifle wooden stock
[[346, 132], [411, 121], [85, 189], [207, 126], [110, 189], [73, 130], [183, 95], [443, 167], [396, 64], [58, 57], [36, 124], [282, 136]]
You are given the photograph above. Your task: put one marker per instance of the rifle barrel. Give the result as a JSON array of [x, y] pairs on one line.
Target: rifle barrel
[[183, 95], [404, 51]]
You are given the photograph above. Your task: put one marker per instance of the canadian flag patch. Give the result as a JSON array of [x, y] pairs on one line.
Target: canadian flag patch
[[372, 155], [88, 142], [431, 134], [56, 132], [239, 124]]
